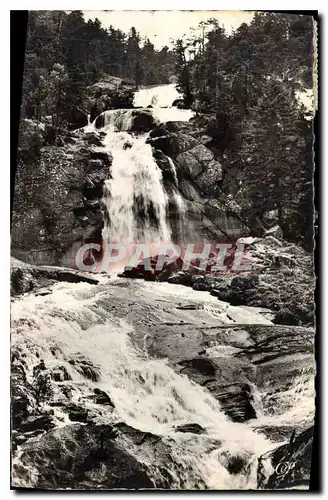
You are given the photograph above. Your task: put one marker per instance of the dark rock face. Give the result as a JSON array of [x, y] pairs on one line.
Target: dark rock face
[[81, 457], [146, 269], [143, 121], [21, 281], [173, 144], [179, 103], [109, 93], [52, 210], [291, 463], [102, 398], [168, 171], [26, 277], [235, 398], [84, 366], [76, 413], [75, 116], [159, 131], [60, 374], [198, 163], [236, 362], [193, 428]]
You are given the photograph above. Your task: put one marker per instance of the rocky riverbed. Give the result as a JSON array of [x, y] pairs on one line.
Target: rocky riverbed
[[134, 384]]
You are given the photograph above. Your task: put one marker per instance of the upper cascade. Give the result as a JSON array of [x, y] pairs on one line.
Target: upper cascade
[[156, 102], [161, 96], [161, 100]]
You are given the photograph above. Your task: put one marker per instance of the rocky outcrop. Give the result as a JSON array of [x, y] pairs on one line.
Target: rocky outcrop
[[25, 277], [291, 463], [209, 212], [57, 201], [142, 121], [236, 363], [198, 163], [109, 93], [173, 144]]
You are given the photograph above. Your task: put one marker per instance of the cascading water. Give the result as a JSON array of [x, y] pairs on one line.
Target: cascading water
[[75, 320], [147, 393], [134, 197]]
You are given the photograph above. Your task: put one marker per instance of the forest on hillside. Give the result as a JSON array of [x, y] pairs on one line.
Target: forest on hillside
[[252, 81]]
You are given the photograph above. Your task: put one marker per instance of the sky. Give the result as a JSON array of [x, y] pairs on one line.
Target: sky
[[162, 26]]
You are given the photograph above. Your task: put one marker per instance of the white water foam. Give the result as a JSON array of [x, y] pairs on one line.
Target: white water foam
[[147, 393]]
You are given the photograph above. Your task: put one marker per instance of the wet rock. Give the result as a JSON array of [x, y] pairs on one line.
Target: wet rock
[[79, 457], [147, 269], [179, 103], [101, 398], [103, 155], [60, 374], [275, 231], [291, 463], [159, 131], [193, 428], [39, 423], [236, 464], [48, 230], [21, 281], [236, 401], [63, 274], [180, 278], [85, 366], [164, 163], [142, 121], [93, 139], [76, 413]]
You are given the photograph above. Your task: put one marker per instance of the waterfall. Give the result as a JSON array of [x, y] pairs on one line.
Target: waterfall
[[134, 198], [147, 393]]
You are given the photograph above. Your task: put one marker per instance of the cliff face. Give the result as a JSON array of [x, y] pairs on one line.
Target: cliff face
[[59, 187], [57, 199]]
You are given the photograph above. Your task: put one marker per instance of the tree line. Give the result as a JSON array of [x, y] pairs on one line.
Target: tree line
[[65, 54], [250, 81]]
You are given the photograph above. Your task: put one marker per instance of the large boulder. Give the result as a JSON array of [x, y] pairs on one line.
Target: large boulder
[[110, 92], [291, 463], [173, 144], [31, 138], [80, 457], [142, 121], [200, 165]]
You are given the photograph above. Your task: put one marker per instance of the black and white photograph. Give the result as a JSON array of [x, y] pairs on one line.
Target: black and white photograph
[[162, 271]]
